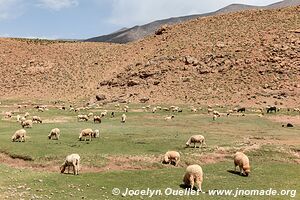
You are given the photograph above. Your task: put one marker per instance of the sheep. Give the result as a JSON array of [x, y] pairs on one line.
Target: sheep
[[125, 110], [103, 113], [26, 124], [54, 133], [216, 113], [196, 139], [18, 118], [209, 110], [82, 117], [97, 119], [215, 117], [123, 118], [158, 107], [8, 114], [90, 114], [112, 114], [86, 133], [193, 174], [72, 160], [166, 109], [26, 115], [193, 109], [271, 109], [36, 119], [154, 110], [169, 117], [241, 109], [241, 160], [40, 109], [19, 135], [171, 156], [96, 133]]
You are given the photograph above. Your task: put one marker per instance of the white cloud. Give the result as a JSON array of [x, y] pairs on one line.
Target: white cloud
[[57, 4], [131, 12], [10, 9]]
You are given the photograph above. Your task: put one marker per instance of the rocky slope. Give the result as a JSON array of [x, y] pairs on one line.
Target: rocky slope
[[139, 32], [245, 58]]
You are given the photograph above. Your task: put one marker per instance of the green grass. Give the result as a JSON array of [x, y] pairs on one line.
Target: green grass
[[144, 134]]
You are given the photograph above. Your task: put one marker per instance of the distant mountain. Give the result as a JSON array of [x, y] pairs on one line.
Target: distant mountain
[[126, 35]]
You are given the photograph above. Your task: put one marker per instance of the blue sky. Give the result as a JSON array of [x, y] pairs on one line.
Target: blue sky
[[79, 19]]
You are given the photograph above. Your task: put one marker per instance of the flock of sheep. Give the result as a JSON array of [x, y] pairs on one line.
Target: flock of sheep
[[194, 173]]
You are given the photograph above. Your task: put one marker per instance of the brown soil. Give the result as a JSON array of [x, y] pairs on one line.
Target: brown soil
[[246, 58]]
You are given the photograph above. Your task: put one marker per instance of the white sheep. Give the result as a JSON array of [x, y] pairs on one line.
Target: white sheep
[[104, 113], [96, 133], [97, 119], [26, 115], [171, 156], [36, 119], [154, 110], [90, 114], [54, 133], [193, 174], [241, 160], [73, 161], [8, 114], [26, 124], [194, 110], [123, 118], [19, 135], [18, 118], [86, 133], [215, 117], [209, 110], [169, 117], [196, 139], [82, 118]]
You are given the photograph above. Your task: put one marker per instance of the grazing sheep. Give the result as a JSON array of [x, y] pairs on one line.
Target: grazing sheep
[[36, 119], [19, 135], [41, 109], [241, 160], [196, 139], [97, 119], [154, 110], [26, 115], [86, 133], [8, 114], [123, 118], [125, 109], [54, 133], [215, 117], [82, 118], [103, 113], [171, 156], [26, 124], [72, 160], [90, 114], [271, 109], [96, 133], [158, 107], [169, 117], [209, 110], [241, 110], [166, 109], [194, 110], [18, 118], [216, 113], [112, 114], [193, 174]]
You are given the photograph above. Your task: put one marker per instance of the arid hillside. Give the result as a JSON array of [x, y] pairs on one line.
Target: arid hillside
[[245, 58]]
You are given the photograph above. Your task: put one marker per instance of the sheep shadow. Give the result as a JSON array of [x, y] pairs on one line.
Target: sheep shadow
[[236, 173], [183, 186]]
